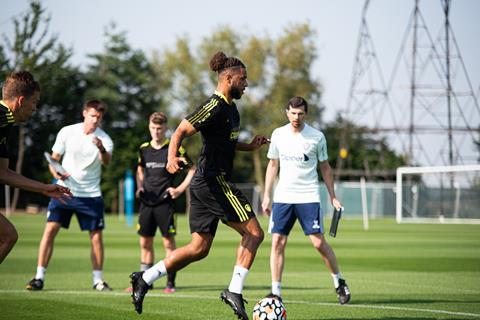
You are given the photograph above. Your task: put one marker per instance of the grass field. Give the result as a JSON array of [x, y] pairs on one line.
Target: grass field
[[394, 272]]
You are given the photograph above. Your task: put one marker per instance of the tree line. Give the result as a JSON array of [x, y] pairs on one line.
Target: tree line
[[173, 80]]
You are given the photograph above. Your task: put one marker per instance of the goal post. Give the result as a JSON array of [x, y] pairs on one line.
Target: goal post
[[442, 194]]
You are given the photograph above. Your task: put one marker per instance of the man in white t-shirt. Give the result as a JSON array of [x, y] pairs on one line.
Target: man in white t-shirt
[[296, 149], [83, 149]]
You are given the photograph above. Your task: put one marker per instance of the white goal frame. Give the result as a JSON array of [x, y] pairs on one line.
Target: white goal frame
[[436, 169]]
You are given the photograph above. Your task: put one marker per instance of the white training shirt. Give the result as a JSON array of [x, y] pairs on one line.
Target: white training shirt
[[298, 155], [81, 159]]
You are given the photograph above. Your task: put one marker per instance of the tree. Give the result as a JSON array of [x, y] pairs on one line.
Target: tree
[[32, 49]]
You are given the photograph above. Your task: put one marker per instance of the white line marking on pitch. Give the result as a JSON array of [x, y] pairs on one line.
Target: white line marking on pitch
[[187, 296]]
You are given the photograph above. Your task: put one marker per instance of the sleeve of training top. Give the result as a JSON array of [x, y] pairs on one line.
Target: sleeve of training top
[[59, 145], [141, 160], [272, 148], [205, 115], [322, 148], [107, 143]]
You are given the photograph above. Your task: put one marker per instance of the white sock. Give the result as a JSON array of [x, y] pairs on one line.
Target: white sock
[[277, 288], [335, 278], [157, 271], [40, 273], [97, 276], [238, 277]]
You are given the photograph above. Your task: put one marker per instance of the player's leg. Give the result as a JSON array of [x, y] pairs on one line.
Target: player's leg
[[90, 215], [238, 213], [59, 215], [165, 220], [203, 226], [328, 255], [8, 237], [310, 216], [170, 245], [320, 244], [281, 223], [277, 262], [147, 253], [197, 249], [96, 249], [252, 237], [146, 229], [45, 251], [147, 226]]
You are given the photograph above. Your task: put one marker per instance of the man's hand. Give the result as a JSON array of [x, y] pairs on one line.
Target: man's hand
[[58, 192], [266, 206], [336, 203], [98, 143], [62, 176], [258, 141], [176, 164], [139, 190], [174, 193]]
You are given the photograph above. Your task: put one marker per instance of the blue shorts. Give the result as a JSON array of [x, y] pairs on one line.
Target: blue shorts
[[284, 215], [89, 212]]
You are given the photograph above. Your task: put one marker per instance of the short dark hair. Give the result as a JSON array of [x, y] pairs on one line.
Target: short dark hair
[[297, 102], [19, 84], [95, 104], [221, 62], [158, 118]]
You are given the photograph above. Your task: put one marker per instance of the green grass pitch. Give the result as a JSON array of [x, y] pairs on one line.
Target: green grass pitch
[[406, 271]]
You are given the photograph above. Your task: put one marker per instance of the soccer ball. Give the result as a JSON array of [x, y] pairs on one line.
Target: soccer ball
[[269, 309]]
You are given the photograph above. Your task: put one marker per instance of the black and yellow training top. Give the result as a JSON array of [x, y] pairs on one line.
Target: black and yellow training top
[[6, 123], [156, 177], [219, 123]]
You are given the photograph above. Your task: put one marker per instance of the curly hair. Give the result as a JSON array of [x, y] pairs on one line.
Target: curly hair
[[19, 84], [221, 62]]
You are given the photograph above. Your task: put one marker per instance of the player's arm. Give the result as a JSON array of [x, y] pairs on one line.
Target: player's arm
[[16, 180], [174, 163], [327, 176], [256, 143], [140, 178], [104, 155], [176, 192], [270, 175]]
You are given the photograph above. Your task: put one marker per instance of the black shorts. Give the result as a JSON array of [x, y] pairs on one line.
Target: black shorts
[[160, 216], [215, 199]]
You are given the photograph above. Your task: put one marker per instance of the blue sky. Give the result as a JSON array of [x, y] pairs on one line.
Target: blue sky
[[155, 24]]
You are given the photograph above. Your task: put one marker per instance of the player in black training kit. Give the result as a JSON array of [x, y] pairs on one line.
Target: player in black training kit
[[20, 94], [214, 196], [156, 193]]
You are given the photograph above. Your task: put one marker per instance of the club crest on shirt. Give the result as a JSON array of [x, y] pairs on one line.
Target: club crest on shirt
[[234, 134]]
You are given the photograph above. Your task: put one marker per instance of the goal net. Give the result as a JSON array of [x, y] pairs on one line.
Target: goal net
[[446, 194]]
